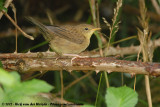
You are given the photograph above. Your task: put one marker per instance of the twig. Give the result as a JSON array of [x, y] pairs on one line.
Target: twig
[[15, 18], [93, 11], [148, 91], [156, 6], [113, 29], [78, 80], [98, 25], [49, 17], [133, 11], [7, 3], [135, 83], [26, 35], [75, 81], [62, 86], [144, 38], [106, 78], [10, 32], [122, 78], [99, 84], [114, 26]]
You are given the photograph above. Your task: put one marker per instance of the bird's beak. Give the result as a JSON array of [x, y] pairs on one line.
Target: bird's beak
[[95, 29]]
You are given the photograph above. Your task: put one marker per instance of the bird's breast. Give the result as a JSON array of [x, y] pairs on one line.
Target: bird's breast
[[63, 46]]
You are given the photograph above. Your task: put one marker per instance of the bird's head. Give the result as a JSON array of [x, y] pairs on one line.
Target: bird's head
[[87, 30]]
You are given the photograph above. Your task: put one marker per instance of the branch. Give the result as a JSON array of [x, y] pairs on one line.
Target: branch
[[13, 22], [31, 62], [11, 32], [156, 6], [7, 3], [133, 10]]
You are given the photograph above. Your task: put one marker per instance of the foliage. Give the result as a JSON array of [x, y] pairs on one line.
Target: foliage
[[121, 97], [1, 5], [13, 90], [1, 65]]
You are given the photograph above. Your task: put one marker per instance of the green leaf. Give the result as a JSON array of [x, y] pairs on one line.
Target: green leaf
[[159, 2], [1, 65], [6, 79], [34, 86], [16, 76], [1, 93], [121, 97], [35, 99], [26, 89], [1, 2], [14, 90], [1, 6], [87, 106]]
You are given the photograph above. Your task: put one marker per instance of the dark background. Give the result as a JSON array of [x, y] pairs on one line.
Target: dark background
[[76, 12]]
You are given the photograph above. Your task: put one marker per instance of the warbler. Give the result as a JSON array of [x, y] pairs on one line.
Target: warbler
[[66, 39]]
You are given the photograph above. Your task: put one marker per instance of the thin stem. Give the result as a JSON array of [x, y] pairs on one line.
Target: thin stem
[[75, 81], [122, 78], [13, 22], [148, 91], [49, 17], [106, 77], [135, 83], [98, 89], [156, 6], [62, 86], [15, 18], [7, 3]]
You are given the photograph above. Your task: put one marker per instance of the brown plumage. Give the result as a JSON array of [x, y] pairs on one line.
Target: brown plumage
[[66, 39]]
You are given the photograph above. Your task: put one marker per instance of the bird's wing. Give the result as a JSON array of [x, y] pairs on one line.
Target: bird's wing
[[67, 32]]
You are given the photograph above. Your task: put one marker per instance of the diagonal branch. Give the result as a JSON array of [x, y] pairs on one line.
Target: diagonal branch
[[156, 6], [7, 3], [13, 22]]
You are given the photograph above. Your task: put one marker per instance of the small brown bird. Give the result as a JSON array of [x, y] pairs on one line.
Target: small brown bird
[[66, 39]]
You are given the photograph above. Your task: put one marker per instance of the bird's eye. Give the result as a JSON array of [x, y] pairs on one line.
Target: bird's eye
[[86, 28]]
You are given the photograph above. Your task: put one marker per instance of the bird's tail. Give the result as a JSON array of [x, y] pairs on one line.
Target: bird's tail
[[41, 27]]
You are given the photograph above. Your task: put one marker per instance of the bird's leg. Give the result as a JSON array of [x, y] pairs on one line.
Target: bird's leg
[[59, 55]]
